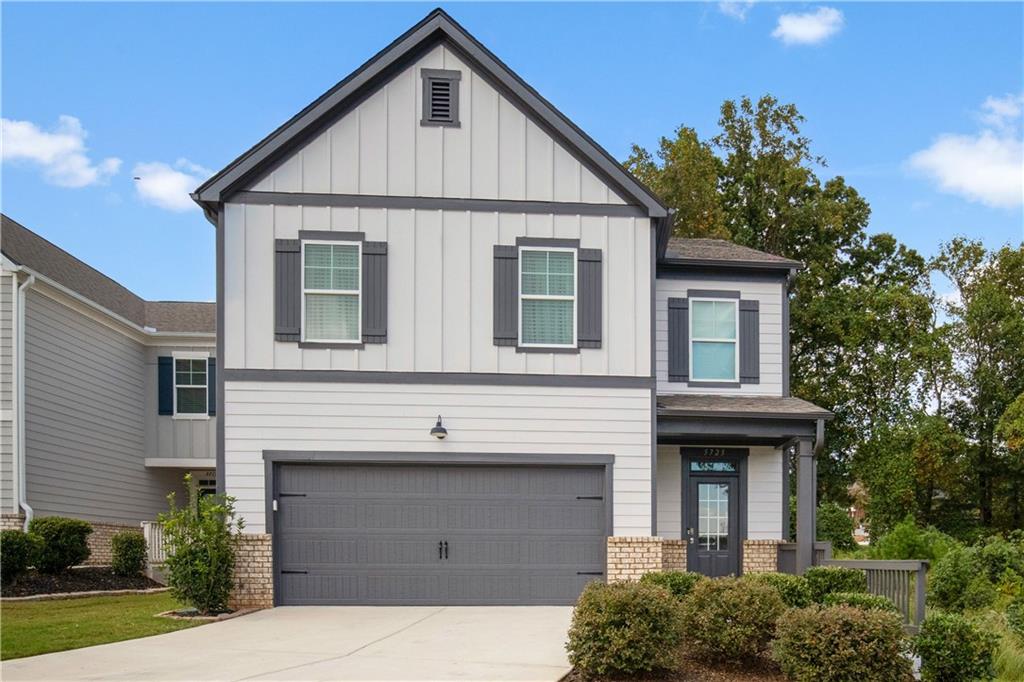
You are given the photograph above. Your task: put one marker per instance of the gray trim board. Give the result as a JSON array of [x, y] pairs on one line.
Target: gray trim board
[[785, 339], [784, 266], [785, 491], [723, 271], [771, 431], [220, 474], [543, 349], [334, 346], [441, 378], [713, 384], [331, 235], [552, 242], [711, 293], [654, 391], [436, 203]]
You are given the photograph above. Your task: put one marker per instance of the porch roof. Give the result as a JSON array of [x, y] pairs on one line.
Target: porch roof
[[739, 420], [752, 406]]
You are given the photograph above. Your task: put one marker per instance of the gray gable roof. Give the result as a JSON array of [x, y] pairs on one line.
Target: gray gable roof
[[720, 251], [704, 405], [24, 247], [434, 28]]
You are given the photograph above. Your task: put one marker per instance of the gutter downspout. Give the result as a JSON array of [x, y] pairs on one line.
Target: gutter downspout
[[19, 397]]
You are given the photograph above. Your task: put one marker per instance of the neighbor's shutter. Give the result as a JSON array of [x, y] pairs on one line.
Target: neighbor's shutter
[[375, 292], [678, 339], [506, 295], [211, 387], [589, 287], [750, 343], [165, 385], [287, 290]]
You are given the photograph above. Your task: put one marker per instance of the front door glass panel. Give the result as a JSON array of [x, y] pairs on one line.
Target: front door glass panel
[[713, 516]]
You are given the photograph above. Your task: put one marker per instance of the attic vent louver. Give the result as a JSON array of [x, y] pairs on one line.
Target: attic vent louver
[[440, 97]]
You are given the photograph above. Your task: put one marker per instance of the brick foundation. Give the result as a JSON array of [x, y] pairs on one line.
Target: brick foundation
[[99, 542], [761, 556], [631, 557], [12, 521], [254, 574], [673, 555]]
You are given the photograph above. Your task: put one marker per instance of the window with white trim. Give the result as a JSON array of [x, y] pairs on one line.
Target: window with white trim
[[331, 292], [714, 348], [191, 385], [547, 297]]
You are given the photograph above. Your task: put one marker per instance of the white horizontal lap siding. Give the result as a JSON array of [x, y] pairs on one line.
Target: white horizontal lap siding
[[397, 418], [769, 297], [380, 148], [764, 493], [440, 290], [6, 395]]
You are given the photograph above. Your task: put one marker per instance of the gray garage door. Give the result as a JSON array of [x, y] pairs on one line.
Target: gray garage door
[[419, 534]]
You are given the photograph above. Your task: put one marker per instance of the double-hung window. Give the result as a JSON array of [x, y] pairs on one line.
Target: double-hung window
[[547, 297], [331, 294], [714, 348], [191, 385]]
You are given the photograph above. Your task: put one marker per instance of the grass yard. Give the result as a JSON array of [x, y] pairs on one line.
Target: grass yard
[[40, 627]]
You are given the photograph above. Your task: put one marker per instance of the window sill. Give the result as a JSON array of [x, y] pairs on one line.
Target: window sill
[[191, 417], [547, 349], [714, 384], [353, 345]]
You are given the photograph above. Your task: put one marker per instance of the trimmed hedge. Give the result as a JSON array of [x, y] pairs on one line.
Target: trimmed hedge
[[792, 589], [63, 542], [841, 644], [128, 553], [730, 618], [679, 583], [824, 580], [952, 649], [624, 629], [861, 600], [18, 551]]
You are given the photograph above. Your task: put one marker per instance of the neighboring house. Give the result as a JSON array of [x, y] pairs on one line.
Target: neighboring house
[[93, 424], [431, 249]]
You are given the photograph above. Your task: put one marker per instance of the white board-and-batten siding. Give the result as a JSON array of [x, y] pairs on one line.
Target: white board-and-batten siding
[[440, 290], [333, 417], [380, 148], [769, 297]]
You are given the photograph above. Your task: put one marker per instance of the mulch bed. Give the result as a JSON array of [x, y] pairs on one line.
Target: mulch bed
[[693, 671], [87, 579]]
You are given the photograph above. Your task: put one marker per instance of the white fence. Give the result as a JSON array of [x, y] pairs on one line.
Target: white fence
[[154, 534]]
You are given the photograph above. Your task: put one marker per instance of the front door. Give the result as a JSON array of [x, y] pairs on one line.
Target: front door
[[712, 525]]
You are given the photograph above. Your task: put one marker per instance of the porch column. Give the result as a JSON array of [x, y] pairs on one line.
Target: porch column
[[805, 511]]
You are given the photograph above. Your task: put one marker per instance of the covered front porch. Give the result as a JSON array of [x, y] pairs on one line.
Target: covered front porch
[[722, 483]]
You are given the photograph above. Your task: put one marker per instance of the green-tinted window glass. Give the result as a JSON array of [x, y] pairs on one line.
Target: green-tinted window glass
[[548, 289], [713, 340], [331, 268]]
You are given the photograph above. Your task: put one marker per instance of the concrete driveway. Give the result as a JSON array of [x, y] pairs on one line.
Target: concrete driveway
[[332, 643]]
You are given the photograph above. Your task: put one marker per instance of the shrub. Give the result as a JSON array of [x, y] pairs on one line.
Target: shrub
[[63, 542], [957, 581], [824, 580], [952, 649], [835, 526], [17, 552], [861, 600], [998, 555], [907, 540], [1015, 617], [128, 553], [792, 589], [200, 542], [679, 583], [624, 629], [841, 644], [729, 618]]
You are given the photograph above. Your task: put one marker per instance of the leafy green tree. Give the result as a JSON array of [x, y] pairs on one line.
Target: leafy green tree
[[835, 525]]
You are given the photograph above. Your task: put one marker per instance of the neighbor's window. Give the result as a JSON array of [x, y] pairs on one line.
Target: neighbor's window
[[331, 291], [713, 346], [547, 300], [190, 386]]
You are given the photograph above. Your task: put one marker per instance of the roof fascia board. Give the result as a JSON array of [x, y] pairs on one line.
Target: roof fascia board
[[765, 414], [785, 266]]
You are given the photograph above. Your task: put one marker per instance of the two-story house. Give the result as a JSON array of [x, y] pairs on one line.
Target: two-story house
[[106, 398], [463, 362]]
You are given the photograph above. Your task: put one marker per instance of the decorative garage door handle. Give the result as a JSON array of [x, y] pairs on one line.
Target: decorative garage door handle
[[589, 497], [446, 550], [589, 572]]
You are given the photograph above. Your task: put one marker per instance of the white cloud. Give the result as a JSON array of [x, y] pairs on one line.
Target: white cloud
[[736, 10], [809, 28], [986, 167], [168, 186], [60, 152]]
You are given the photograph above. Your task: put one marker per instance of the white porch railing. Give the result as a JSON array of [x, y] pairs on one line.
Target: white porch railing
[[153, 531]]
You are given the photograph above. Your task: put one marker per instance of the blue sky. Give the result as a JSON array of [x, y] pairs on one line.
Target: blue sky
[[917, 105]]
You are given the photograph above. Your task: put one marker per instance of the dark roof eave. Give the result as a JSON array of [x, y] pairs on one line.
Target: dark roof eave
[[704, 414], [775, 266]]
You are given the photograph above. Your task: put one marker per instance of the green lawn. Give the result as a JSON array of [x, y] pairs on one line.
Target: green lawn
[[40, 627]]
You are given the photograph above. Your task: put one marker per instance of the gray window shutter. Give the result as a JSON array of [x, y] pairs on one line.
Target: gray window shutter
[[506, 295], [375, 292], [287, 290], [165, 385], [750, 342], [589, 306], [678, 339], [211, 387]]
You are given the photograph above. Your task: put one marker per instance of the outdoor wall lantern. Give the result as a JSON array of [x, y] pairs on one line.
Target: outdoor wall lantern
[[439, 432]]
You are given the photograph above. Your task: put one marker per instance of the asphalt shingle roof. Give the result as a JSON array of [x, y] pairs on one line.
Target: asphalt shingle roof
[[735, 405], [719, 250]]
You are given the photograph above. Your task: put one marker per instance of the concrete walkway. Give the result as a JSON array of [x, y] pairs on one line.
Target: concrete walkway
[[332, 643]]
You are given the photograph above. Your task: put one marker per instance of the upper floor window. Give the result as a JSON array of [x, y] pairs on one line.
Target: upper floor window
[[190, 385], [547, 297], [331, 291], [714, 350]]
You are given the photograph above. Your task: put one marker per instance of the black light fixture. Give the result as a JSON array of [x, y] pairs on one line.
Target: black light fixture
[[439, 432]]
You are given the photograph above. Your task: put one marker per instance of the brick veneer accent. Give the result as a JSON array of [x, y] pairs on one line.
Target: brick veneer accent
[[673, 555], [761, 556], [631, 557], [253, 581], [12, 521], [100, 553]]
